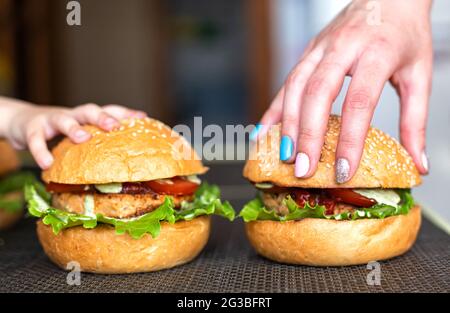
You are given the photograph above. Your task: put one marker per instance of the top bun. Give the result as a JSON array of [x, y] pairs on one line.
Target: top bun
[[384, 163], [9, 161], [140, 150]]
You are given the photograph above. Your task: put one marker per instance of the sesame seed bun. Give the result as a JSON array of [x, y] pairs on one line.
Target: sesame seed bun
[[140, 150], [322, 242], [9, 160], [101, 250], [384, 163]]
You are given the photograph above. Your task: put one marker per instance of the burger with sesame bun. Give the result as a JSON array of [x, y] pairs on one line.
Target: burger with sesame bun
[[315, 221], [12, 182], [125, 201]]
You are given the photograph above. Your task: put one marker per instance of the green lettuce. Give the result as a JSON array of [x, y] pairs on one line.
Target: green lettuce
[[13, 183], [206, 202], [255, 210]]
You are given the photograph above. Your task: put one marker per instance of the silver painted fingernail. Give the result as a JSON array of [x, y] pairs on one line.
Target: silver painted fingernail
[[342, 170]]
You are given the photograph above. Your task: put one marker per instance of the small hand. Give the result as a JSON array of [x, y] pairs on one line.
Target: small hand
[[32, 126]]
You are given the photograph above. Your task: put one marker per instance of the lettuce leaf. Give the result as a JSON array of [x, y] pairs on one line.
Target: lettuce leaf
[[13, 183], [255, 210], [206, 202]]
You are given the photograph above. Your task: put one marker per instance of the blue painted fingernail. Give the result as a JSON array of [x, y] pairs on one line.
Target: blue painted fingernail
[[255, 132], [286, 148]]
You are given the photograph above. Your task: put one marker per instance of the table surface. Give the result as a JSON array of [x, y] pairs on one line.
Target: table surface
[[229, 264]]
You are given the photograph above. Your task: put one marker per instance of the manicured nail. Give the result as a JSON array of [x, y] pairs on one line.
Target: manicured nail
[[254, 134], [286, 148], [425, 161], [301, 164], [80, 134], [342, 170]]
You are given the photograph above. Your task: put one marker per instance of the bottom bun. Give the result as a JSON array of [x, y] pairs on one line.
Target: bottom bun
[[321, 242], [9, 219], [101, 250]]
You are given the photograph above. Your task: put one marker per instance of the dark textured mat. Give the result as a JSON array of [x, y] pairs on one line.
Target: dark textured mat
[[228, 264]]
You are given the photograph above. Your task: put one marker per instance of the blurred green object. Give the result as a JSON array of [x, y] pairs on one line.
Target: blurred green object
[[14, 182]]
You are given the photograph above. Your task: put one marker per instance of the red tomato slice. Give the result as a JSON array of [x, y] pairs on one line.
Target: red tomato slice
[[63, 188], [349, 196], [178, 187]]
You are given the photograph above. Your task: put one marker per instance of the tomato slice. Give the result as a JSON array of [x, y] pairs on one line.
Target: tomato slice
[[63, 188], [349, 196], [178, 187], [175, 186]]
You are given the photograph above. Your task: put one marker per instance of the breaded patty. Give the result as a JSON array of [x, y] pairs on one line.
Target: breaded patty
[[114, 205]]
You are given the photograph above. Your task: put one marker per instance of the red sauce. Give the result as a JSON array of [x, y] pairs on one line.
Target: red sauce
[[314, 197]]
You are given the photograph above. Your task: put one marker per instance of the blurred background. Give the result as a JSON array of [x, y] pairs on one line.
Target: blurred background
[[176, 59]]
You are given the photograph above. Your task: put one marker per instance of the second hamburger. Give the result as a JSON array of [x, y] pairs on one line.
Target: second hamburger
[[315, 221]]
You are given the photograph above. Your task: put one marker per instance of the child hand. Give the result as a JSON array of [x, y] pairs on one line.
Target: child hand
[[31, 126]]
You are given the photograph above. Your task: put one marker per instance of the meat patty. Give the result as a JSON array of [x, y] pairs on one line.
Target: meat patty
[[115, 205], [274, 201]]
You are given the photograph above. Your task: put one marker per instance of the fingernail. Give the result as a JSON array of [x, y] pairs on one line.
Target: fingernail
[[342, 170], [47, 161], [301, 164], [81, 134], [425, 161], [110, 122], [140, 114], [286, 148], [254, 134]]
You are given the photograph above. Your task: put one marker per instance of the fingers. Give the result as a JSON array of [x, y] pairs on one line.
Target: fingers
[[271, 117], [36, 141], [292, 103], [67, 125], [320, 92], [414, 97], [94, 115], [362, 97], [120, 112], [275, 112]]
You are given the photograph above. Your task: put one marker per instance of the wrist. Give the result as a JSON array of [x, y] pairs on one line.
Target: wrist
[[10, 109]]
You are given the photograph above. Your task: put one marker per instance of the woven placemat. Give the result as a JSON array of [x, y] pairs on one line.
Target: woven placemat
[[228, 264]]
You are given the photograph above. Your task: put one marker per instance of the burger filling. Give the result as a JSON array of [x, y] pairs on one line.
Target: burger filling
[[136, 208], [281, 203]]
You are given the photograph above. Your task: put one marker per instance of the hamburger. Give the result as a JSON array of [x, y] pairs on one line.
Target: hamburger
[[12, 182], [315, 221], [125, 201]]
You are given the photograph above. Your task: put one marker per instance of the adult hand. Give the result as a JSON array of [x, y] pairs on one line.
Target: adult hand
[[394, 46]]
